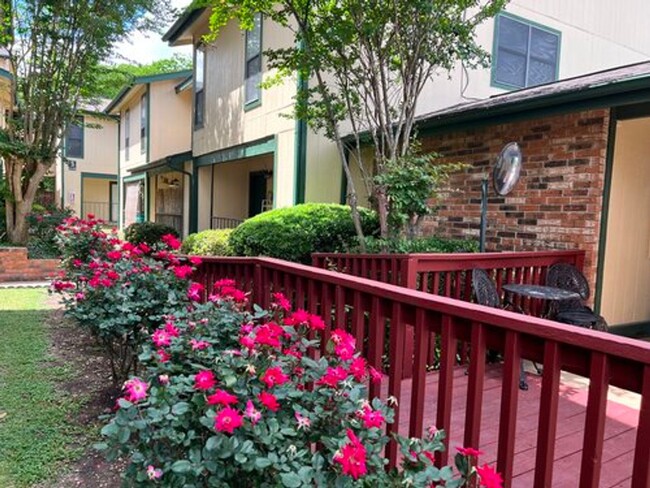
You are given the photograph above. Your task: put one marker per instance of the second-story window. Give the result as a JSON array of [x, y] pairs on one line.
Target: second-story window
[[253, 68], [525, 54], [143, 123], [199, 86], [74, 139], [127, 134]]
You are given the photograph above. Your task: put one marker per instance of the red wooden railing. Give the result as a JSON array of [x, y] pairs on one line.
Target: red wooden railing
[[370, 310], [450, 275]]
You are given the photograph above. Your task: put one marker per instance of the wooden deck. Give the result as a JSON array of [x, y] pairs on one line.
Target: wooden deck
[[620, 428]]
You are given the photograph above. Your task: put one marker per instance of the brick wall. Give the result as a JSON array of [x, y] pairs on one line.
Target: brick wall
[[15, 266], [558, 200]]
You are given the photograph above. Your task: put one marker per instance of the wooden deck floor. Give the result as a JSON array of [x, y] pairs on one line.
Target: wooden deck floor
[[620, 428]]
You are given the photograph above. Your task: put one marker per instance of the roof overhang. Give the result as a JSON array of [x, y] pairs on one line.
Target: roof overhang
[[114, 105], [176, 35], [172, 162]]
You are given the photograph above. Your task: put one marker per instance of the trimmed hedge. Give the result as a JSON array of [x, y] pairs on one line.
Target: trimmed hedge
[[293, 233], [421, 245], [208, 243], [149, 233]]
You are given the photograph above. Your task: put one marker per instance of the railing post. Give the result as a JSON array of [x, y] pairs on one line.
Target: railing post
[[258, 288], [411, 277]]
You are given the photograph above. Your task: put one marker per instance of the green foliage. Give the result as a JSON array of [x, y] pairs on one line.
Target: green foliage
[[109, 79], [410, 183], [30, 404], [148, 232], [42, 243], [421, 245], [208, 243], [293, 233]]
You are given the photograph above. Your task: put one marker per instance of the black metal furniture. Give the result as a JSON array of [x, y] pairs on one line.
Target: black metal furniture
[[486, 293], [573, 311]]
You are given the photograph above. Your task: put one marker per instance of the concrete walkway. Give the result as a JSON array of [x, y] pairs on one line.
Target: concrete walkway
[[25, 284]]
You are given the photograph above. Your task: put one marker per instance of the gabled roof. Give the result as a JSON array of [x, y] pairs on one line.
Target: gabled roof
[[140, 80], [187, 18], [605, 88]]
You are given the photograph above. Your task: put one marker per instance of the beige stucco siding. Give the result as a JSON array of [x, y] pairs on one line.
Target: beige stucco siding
[[324, 170], [169, 115], [626, 275]]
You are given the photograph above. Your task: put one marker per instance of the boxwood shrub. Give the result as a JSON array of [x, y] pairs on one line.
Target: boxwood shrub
[[421, 245], [208, 243], [149, 233], [293, 233]]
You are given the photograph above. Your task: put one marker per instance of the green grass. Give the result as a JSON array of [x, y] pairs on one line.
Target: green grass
[[36, 433]]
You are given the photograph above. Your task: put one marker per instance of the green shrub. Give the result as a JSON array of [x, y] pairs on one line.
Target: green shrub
[[293, 233], [149, 233], [208, 243], [422, 245], [43, 224]]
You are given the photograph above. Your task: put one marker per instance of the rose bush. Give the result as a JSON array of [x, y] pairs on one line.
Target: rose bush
[[121, 292], [244, 398]]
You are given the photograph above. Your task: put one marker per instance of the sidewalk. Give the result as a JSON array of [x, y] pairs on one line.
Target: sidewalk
[[24, 284]]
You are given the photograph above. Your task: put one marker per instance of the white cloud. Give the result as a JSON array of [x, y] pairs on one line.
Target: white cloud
[[143, 49]]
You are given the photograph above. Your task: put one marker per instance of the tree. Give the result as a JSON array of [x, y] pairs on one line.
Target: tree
[[108, 79], [54, 47], [367, 62]]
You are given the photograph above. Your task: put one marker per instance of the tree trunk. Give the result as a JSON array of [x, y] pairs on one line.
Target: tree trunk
[[382, 212], [17, 231]]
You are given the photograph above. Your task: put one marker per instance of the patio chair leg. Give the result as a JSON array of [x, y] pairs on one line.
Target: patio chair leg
[[523, 384]]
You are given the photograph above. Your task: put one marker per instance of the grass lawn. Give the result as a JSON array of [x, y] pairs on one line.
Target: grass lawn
[[36, 422]]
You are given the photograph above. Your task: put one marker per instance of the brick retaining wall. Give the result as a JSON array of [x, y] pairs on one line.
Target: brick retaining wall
[[15, 266], [557, 204]]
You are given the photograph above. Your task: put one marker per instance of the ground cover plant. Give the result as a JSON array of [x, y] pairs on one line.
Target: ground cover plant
[[211, 242], [36, 427]]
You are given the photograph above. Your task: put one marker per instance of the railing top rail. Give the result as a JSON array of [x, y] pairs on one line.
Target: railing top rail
[[580, 338], [506, 255]]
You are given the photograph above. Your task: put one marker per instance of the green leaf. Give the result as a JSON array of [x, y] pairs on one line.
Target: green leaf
[[181, 466], [262, 462], [291, 480], [180, 408], [213, 443]]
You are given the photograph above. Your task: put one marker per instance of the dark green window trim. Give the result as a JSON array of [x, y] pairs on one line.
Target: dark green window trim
[[144, 123], [78, 123], [495, 50], [198, 109], [252, 103]]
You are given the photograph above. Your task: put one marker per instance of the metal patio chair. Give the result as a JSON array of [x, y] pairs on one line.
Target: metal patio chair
[[486, 293], [574, 311]]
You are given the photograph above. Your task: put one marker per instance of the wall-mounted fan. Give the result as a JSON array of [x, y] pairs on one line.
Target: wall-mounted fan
[[504, 178]]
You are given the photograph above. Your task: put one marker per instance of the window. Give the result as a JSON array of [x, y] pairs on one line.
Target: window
[[74, 139], [525, 54], [199, 85], [127, 134], [143, 123], [253, 68]]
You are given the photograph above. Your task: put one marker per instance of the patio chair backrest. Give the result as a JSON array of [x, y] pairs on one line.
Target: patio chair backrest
[[485, 290], [568, 277]]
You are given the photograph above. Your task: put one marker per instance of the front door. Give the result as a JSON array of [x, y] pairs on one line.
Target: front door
[[256, 192]]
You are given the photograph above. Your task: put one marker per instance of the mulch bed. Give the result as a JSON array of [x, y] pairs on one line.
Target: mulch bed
[[75, 348]]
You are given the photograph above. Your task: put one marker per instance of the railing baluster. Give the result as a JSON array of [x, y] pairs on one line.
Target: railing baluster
[[475, 385], [509, 397], [419, 374], [446, 383], [326, 313], [339, 308], [548, 408], [358, 318], [376, 341], [397, 332], [592, 447], [641, 470]]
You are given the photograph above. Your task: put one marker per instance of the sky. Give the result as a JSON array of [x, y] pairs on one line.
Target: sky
[[143, 49]]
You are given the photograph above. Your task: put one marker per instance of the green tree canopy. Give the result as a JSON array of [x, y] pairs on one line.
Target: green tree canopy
[[109, 78]]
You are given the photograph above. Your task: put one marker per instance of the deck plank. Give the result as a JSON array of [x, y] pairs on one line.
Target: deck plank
[[620, 427]]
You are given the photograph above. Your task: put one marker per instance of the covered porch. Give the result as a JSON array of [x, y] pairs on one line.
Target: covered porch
[[99, 196]]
